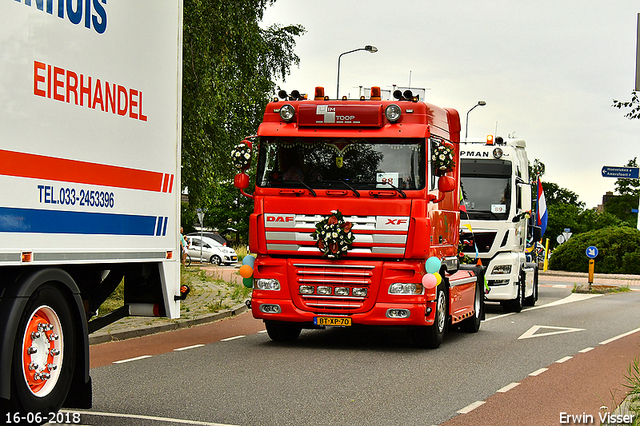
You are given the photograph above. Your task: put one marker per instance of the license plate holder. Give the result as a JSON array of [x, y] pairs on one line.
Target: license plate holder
[[332, 321]]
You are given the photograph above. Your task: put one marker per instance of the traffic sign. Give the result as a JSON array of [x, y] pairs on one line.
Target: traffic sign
[[621, 172], [592, 252]]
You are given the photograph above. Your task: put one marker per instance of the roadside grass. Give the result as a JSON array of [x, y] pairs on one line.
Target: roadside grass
[[633, 393], [600, 289], [228, 294]]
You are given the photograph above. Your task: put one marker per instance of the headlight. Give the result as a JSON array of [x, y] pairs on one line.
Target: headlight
[[324, 289], [405, 288], [342, 291], [501, 269], [393, 112], [287, 112], [267, 284]]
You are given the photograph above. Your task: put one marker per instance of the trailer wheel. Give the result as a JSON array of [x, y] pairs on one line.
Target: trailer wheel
[[44, 353], [431, 336], [283, 331], [472, 324]]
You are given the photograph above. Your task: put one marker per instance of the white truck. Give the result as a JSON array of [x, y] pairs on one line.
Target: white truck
[[496, 227], [90, 130]]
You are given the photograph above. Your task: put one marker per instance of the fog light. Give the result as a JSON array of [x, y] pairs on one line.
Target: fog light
[[267, 284], [324, 289], [398, 313], [342, 291], [270, 309], [306, 289], [497, 282], [405, 288], [359, 292]]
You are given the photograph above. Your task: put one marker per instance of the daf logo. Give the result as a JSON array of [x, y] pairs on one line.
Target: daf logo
[[280, 218]]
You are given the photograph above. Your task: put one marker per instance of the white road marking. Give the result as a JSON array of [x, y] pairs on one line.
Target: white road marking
[[620, 336], [137, 416], [585, 350], [132, 359], [508, 387], [538, 372], [558, 330], [561, 360], [232, 338], [470, 407], [188, 347]]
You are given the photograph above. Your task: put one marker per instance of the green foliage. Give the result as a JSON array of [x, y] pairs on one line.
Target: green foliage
[[629, 186], [634, 104], [229, 64], [618, 251]]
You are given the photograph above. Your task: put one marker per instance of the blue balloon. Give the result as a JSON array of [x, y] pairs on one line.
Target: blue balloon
[[433, 265], [248, 260]]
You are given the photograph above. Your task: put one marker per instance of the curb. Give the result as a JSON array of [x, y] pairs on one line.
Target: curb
[[104, 337], [585, 275]]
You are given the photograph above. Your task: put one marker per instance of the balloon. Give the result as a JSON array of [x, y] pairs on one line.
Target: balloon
[[245, 271], [248, 260], [248, 282], [429, 281], [432, 265], [438, 277]]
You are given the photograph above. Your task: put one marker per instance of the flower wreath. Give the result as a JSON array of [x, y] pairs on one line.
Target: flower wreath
[[333, 235], [241, 156], [442, 158]]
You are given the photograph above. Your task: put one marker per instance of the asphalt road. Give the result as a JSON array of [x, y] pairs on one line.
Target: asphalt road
[[230, 373]]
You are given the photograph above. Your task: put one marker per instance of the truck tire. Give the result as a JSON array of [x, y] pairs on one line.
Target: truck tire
[[431, 336], [516, 304], [44, 354], [472, 324], [531, 300], [283, 331]]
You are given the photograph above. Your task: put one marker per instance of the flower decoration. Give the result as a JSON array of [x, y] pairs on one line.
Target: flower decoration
[[241, 156], [442, 158], [463, 258], [333, 235]]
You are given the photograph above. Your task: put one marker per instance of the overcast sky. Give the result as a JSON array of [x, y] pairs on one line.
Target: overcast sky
[[548, 70]]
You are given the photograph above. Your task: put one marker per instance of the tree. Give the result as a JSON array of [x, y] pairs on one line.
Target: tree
[[634, 104], [229, 64]]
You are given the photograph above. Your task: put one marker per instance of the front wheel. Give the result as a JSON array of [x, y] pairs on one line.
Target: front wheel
[[515, 305], [283, 331], [215, 260], [531, 300], [44, 354], [431, 336], [472, 324]]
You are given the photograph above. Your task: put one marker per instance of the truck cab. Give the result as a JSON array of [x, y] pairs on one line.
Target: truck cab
[[496, 226]]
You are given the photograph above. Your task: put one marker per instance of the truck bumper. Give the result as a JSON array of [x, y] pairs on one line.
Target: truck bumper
[[377, 316]]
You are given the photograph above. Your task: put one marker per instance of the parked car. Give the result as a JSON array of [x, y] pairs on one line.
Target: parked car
[[212, 251]]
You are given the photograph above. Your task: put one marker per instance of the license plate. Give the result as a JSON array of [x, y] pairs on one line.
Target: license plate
[[332, 321]]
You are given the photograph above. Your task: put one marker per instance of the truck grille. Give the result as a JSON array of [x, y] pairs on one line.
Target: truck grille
[[484, 241], [346, 288]]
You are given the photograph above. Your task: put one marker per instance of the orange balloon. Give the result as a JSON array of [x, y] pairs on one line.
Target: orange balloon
[[245, 271]]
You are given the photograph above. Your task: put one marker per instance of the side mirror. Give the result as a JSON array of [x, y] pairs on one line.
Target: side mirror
[[241, 181], [526, 196], [446, 183], [536, 231]]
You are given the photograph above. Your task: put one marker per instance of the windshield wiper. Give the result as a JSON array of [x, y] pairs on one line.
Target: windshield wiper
[[398, 190], [357, 194], [296, 181]]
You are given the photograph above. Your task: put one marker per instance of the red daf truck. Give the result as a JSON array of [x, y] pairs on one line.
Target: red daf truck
[[356, 217]]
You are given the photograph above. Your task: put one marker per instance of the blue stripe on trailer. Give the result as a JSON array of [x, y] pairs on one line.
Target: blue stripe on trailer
[[62, 222]]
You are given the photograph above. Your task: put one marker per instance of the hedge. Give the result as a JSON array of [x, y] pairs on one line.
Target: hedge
[[618, 251]]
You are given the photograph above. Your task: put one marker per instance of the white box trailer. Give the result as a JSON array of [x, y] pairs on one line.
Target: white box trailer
[[90, 122]]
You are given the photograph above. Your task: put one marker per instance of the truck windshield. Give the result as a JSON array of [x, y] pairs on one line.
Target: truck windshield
[[486, 187], [323, 163]]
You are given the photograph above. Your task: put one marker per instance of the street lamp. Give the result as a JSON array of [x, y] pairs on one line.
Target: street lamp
[[368, 48], [466, 127]]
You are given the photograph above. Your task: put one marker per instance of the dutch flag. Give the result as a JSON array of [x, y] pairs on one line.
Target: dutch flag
[[542, 214]]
